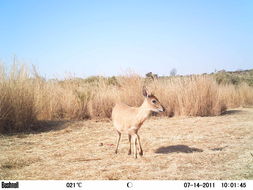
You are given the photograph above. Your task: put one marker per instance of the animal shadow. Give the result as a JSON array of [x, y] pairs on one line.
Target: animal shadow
[[178, 149]]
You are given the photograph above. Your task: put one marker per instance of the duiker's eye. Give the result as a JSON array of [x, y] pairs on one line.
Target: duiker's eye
[[154, 101]]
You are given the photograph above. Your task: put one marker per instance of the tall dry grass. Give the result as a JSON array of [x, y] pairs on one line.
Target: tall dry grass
[[25, 97], [17, 100], [190, 96], [237, 95]]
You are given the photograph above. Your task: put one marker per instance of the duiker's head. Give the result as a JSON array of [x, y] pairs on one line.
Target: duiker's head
[[152, 101]]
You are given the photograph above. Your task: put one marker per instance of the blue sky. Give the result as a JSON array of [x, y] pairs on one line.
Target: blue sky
[[109, 37]]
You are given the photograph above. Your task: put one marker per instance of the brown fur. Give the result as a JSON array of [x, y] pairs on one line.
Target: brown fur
[[128, 120]]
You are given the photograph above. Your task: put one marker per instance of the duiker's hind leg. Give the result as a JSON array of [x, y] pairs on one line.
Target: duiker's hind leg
[[129, 138], [117, 146], [139, 142]]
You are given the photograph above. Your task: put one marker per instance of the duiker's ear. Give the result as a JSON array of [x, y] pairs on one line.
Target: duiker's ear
[[145, 91]]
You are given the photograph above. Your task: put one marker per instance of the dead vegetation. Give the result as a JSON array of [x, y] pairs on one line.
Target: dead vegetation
[[25, 97], [218, 147], [50, 145]]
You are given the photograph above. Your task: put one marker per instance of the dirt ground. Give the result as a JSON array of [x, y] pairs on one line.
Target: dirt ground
[[218, 147]]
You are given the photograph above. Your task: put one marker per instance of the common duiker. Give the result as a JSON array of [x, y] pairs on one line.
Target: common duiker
[[128, 120]]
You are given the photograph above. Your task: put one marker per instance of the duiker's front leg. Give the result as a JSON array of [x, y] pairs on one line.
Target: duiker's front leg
[[129, 138], [116, 151], [135, 148]]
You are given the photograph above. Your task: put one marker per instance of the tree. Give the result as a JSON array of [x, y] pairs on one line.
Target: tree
[[173, 72], [152, 75], [149, 74]]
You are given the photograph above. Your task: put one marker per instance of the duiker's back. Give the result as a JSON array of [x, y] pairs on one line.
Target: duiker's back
[[123, 114]]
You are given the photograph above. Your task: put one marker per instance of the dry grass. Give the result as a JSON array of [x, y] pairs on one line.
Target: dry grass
[[235, 96], [218, 147], [17, 101], [190, 96], [25, 97]]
